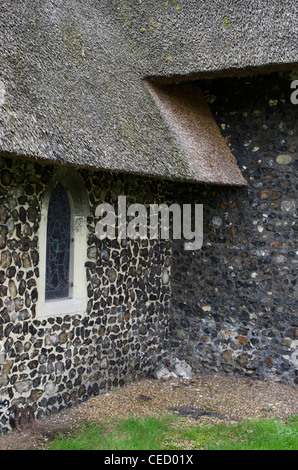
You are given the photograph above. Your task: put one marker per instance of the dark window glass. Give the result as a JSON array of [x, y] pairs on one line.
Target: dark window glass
[[58, 245]]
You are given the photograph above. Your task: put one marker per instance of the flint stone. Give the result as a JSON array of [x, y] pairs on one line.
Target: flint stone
[[103, 363], [92, 253], [182, 369], [3, 382], [112, 275], [23, 314], [2, 353], [63, 337], [216, 221], [288, 206], [35, 395], [5, 259], [6, 177], [105, 255], [165, 277], [50, 388], [23, 386], [2, 240], [283, 159], [287, 342], [175, 369], [4, 214], [52, 340], [12, 288], [163, 373]]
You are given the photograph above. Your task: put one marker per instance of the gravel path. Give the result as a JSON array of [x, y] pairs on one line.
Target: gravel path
[[205, 398]]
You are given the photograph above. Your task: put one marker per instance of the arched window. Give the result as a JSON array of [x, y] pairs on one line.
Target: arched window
[[62, 285], [58, 246]]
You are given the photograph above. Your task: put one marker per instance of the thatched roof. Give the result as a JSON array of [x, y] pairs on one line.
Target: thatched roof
[[72, 86]]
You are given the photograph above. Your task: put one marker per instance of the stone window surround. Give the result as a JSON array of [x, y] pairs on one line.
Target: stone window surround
[[77, 302]]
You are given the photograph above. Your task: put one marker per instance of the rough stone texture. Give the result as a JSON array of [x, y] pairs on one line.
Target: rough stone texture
[[52, 363], [234, 302], [174, 368]]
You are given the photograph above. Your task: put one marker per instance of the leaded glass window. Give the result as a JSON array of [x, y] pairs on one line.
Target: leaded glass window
[[58, 245]]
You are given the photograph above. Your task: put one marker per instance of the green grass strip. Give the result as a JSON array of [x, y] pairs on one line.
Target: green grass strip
[[262, 434], [158, 434], [130, 434]]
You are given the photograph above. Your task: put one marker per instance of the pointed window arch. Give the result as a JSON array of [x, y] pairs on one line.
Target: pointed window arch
[[58, 245], [62, 283]]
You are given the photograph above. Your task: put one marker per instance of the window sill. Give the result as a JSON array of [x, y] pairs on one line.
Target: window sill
[[57, 308]]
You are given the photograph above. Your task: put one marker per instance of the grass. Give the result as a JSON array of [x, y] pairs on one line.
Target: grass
[[130, 434], [262, 434], [159, 434]]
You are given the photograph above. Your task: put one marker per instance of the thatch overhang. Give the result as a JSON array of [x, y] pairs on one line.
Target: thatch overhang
[[190, 119], [73, 86]]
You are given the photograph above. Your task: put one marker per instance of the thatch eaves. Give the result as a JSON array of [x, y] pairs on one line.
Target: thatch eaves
[[73, 89]]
